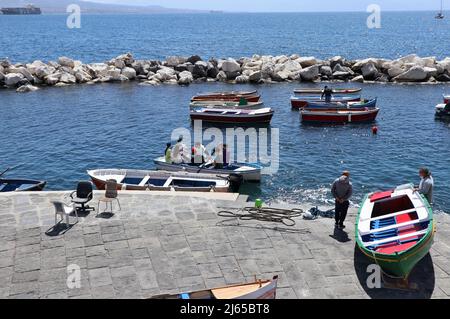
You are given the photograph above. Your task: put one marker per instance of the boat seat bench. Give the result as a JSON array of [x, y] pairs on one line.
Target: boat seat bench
[[412, 210], [393, 239], [395, 226]]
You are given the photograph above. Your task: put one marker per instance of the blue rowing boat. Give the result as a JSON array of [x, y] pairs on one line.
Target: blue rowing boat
[[362, 104], [21, 185]]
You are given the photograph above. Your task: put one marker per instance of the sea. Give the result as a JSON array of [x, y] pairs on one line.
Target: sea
[[56, 134]]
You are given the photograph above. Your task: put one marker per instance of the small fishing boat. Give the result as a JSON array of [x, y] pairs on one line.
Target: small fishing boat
[[226, 105], [320, 91], [260, 289], [362, 104], [443, 111], [233, 116], [339, 116], [298, 102], [227, 97], [240, 93], [21, 185], [249, 172], [395, 229], [131, 179]]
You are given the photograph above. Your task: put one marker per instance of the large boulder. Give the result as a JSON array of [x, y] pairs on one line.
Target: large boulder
[[194, 59], [185, 78], [221, 76], [267, 70], [126, 58], [415, 74], [369, 71], [52, 79], [12, 79], [166, 74], [200, 69], [326, 70], [213, 70], [27, 74], [173, 61], [358, 79], [113, 73], [230, 66], [292, 66], [242, 79], [68, 78], [130, 73], [310, 73], [306, 61], [395, 71], [336, 60], [82, 76], [255, 76], [65, 61], [443, 78], [99, 69], [27, 88]]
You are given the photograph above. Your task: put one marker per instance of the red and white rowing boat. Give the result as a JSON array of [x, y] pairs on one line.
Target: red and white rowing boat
[[339, 116], [250, 96], [263, 115]]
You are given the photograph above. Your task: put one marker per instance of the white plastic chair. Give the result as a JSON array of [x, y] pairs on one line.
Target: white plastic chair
[[64, 211]]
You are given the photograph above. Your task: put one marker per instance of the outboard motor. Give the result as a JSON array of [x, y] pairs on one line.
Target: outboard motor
[[236, 181]]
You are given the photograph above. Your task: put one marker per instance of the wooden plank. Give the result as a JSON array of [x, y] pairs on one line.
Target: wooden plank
[[388, 240]]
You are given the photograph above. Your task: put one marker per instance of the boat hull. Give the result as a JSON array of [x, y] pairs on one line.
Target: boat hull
[[401, 264], [21, 185], [233, 119], [100, 182], [299, 103], [250, 175], [332, 117], [320, 91], [232, 98], [368, 104], [226, 105]]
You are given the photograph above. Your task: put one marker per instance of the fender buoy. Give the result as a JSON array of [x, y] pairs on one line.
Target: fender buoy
[[374, 130]]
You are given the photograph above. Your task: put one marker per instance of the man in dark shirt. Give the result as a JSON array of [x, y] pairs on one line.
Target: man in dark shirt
[[327, 93]]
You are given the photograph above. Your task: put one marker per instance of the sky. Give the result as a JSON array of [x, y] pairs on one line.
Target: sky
[[288, 5]]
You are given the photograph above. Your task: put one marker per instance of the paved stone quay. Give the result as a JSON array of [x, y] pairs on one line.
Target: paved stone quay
[[166, 243]]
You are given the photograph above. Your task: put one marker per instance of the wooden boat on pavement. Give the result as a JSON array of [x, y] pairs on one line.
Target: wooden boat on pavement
[[21, 185], [249, 172], [395, 229], [362, 104], [298, 102], [233, 116], [131, 179], [339, 116], [226, 105], [260, 289], [320, 91]]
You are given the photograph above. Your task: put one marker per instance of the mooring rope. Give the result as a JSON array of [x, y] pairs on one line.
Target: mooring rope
[[274, 215]]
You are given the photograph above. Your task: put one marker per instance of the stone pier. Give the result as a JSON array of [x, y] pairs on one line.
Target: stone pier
[[168, 243]]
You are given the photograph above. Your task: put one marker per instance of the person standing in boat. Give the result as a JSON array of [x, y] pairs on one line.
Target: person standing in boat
[[221, 156], [179, 153], [342, 191], [327, 93], [426, 184]]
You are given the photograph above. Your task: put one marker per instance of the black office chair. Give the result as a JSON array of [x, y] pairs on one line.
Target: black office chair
[[82, 195]]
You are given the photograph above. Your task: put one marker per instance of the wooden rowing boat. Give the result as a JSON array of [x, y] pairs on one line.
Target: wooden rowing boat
[[339, 116], [227, 97], [258, 290], [131, 179], [249, 172], [240, 93], [395, 229], [233, 116], [226, 105], [320, 91], [298, 102], [21, 185], [442, 111], [361, 104]]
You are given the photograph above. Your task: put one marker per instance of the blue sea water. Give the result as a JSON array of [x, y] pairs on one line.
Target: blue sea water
[[59, 133]]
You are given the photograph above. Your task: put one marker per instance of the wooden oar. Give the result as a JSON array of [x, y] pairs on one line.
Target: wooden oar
[[10, 169]]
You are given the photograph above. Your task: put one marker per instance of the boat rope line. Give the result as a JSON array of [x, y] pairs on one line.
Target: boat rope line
[[226, 223], [274, 215]]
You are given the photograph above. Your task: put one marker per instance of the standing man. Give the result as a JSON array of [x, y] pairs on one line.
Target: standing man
[[342, 190], [327, 93], [426, 184]]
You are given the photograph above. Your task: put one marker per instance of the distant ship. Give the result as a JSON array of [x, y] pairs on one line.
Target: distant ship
[[29, 9], [440, 14]]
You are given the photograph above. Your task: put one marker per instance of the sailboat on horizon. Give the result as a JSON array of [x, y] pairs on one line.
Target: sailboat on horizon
[[440, 14]]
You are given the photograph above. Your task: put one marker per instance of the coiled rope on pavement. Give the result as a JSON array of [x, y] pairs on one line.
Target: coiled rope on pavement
[[266, 214]]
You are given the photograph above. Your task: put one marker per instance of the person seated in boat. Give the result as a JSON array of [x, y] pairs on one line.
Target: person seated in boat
[[199, 154], [168, 153], [342, 191], [179, 153], [327, 93], [426, 184], [221, 156]]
